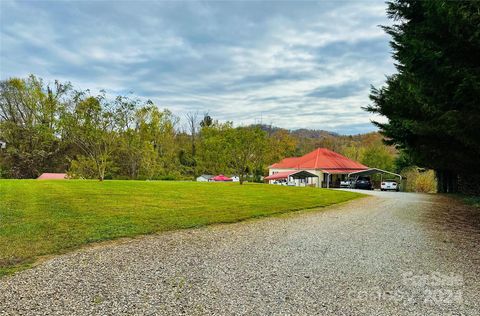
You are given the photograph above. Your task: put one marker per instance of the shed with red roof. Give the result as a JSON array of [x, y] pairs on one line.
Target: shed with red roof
[[52, 176], [221, 178]]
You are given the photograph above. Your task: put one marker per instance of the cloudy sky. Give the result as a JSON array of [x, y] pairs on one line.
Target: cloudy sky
[[292, 64]]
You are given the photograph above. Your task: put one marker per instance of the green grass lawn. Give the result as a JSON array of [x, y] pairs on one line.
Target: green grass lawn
[[48, 217]]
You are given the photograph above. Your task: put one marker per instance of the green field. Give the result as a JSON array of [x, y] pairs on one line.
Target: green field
[[48, 217]]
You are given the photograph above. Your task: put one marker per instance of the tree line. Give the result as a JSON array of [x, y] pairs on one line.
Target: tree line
[[56, 128]]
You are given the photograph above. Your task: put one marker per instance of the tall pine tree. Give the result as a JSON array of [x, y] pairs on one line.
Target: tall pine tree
[[433, 102]]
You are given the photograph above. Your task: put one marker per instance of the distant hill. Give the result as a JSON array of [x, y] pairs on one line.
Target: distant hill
[[309, 139], [312, 133], [302, 132]]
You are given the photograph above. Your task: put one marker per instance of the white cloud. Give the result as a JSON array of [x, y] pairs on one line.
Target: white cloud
[[294, 64]]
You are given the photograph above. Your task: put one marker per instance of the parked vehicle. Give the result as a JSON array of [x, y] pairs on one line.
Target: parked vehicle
[[389, 185], [363, 183], [346, 183]]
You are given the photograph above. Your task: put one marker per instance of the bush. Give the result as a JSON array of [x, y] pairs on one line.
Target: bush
[[168, 177], [472, 200], [82, 168], [417, 180]]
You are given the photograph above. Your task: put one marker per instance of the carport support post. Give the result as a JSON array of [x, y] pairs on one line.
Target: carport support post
[[328, 180]]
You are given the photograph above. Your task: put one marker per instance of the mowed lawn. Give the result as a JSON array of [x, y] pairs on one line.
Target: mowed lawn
[[48, 217]]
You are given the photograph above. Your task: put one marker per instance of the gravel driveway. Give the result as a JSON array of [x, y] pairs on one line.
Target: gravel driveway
[[388, 254]]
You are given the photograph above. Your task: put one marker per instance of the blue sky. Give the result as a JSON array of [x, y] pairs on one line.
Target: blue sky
[[298, 64]]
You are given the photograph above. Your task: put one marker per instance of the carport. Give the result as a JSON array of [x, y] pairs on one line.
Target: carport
[[295, 175], [304, 175], [372, 171]]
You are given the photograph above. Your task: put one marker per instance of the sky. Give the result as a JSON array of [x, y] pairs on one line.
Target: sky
[[292, 64]]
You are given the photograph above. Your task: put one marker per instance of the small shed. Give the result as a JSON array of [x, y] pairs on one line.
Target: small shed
[[53, 176], [204, 178]]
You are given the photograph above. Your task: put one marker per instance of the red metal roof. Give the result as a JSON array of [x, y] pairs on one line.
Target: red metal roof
[[321, 158], [280, 175], [52, 176], [221, 177]]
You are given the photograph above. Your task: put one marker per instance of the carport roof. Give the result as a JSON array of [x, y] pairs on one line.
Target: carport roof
[[342, 170], [371, 171], [302, 174], [296, 174]]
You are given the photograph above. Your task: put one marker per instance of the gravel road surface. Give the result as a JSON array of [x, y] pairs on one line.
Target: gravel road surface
[[388, 254]]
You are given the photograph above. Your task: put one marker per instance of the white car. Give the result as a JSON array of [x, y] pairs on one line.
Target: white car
[[346, 183], [389, 185]]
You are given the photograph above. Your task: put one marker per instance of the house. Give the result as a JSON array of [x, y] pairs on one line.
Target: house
[[53, 176], [204, 178], [319, 168]]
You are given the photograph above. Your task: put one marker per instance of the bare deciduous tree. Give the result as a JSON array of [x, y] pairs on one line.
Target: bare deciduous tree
[[192, 124]]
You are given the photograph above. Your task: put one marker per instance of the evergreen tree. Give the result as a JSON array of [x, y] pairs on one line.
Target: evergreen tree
[[433, 102]]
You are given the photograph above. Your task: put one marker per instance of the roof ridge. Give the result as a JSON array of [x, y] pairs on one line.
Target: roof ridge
[[316, 158]]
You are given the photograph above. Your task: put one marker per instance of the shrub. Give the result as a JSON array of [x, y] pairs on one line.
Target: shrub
[[82, 168], [417, 180]]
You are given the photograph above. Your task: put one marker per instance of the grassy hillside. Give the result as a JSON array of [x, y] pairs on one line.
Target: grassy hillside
[[47, 217]]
